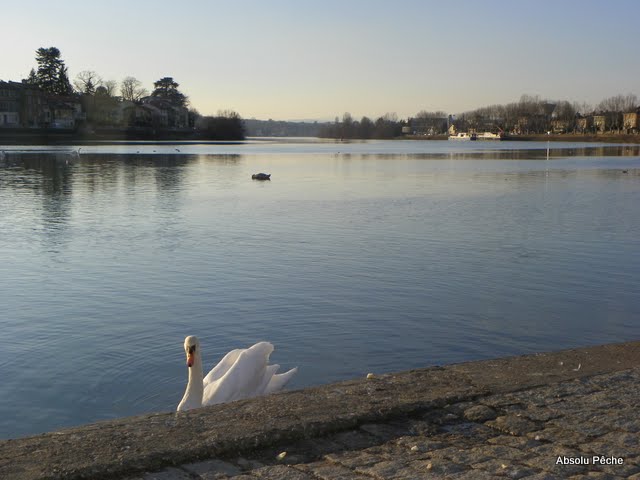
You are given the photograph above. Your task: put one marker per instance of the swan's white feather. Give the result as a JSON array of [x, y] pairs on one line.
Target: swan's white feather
[[242, 373], [277, 382], [222, 367]]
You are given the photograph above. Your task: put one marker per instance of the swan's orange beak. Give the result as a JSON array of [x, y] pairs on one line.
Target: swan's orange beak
[[189, 359]]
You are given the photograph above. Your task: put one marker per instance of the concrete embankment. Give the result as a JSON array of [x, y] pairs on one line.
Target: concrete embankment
[[365, 428]]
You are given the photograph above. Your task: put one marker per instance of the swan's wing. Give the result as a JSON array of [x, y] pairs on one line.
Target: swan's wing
[[222, 367], [277, 382], [270, 371], [244, 378]]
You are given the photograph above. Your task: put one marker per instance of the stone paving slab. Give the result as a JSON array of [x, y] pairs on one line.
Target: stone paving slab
[[496, 444], [499, 418]]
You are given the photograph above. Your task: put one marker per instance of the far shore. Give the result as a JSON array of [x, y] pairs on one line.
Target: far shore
[[21, 136], [67, 137]]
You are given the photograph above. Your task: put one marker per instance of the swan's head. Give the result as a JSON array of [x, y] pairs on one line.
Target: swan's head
[[191, 348]]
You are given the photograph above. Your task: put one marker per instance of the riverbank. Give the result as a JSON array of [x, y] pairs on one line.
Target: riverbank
[[568, 137], [512, 416], [73, 137], [70, 137]]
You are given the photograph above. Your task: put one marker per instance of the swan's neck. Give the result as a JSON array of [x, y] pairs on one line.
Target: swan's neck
[[193, 395]]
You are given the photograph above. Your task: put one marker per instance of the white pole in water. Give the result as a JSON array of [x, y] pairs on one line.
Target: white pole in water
[[546, 173], [548, 133]]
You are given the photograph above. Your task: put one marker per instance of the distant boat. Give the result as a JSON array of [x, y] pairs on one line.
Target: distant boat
[[261, 176], [491, 136], [463, 136]]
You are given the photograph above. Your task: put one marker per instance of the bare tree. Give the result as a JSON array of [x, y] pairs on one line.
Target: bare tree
[[619, 103], [110, 87], [87, 81], [583, 108], [131, 89], [564, 111]]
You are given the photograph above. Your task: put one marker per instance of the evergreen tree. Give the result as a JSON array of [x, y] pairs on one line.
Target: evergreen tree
[[63, 85], [51, 75], [32, 78], [167, 89]]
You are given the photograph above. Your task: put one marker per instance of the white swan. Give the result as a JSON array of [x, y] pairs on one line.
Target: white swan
[[242, 373]]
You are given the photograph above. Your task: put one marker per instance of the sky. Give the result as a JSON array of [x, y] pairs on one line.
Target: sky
[[306, 60]]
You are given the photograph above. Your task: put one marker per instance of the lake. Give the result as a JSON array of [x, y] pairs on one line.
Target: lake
[[356, 257]]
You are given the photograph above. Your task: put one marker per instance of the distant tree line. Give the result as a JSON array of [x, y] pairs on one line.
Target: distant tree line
[[226, 125], [386, 126], [280, 128]]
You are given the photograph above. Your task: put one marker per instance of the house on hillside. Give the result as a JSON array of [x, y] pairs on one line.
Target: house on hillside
[[584, 124], [145, 115], [63, 112], [23, 105], [600, 123], [9, 105], [631, 121], [427, 125], [173, 116], [560, 126]]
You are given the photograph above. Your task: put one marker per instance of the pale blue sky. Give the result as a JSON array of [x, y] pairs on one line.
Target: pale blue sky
[[302, 59]]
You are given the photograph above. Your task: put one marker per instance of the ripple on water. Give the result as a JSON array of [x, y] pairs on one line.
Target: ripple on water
[[348, 264]]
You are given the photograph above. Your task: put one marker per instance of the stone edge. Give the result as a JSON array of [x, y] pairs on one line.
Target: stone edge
[[150, 442]]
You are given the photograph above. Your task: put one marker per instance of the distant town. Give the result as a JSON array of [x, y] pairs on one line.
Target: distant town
[[48, 103], [531, 115]]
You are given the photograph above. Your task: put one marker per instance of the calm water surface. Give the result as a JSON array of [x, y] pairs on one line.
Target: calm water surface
[[355, 258]]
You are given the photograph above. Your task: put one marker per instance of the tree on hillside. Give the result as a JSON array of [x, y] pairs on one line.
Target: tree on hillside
[[615, 106], [564, 111], [619, 103], [167, 89], [51, 75], [87, 81], [194, 116], [226, 125], [32, 78], [365, 129], [110, 87], [131, 89], [63, 85]]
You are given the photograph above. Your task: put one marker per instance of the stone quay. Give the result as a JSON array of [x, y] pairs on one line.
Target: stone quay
[[565, 414]]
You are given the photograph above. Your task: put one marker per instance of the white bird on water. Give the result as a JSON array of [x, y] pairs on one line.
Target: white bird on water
[[242, 373]]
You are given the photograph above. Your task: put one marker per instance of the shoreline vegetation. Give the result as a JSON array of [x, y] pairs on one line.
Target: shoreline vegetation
[[45, 107]]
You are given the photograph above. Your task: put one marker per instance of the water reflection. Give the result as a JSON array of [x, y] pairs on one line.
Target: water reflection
[[554, 152], [49, 177], [64, 183], [52, 173]]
